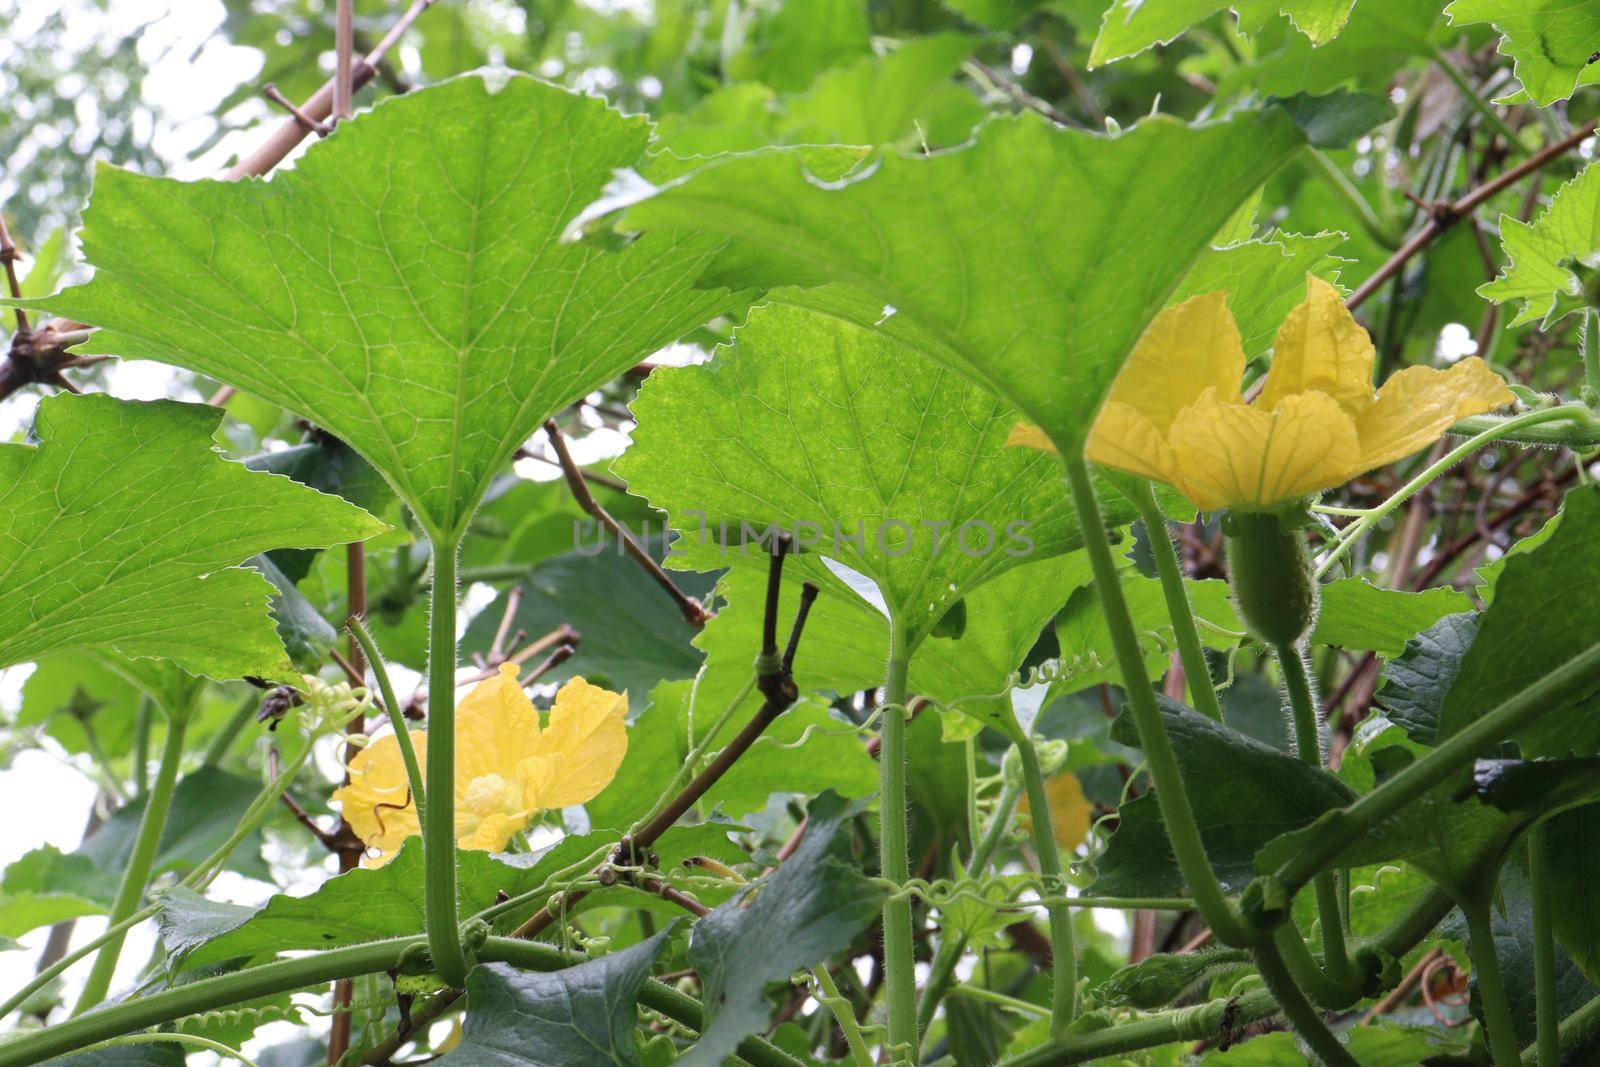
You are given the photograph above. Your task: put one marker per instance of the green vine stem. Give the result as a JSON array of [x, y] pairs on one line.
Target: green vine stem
[[285, 976], [1170, 791], [843, 1014], [1339, 184], [950, 949], [397, 721], [1197, 672], [136, 876], [1547, 1003], [1308, 740], [1063, 953], [1305, 1019], [900, 976], [1491, 986], [1588, 430], [1475, 98], [439, 829], [1571, 681], [1199, 1023]]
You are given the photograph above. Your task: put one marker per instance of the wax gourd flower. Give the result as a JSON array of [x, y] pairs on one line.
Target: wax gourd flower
[[1176, 413], [507, 768]]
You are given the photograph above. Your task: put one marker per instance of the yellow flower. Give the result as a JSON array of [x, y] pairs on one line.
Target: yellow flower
[[507, 768], [1176, 414]]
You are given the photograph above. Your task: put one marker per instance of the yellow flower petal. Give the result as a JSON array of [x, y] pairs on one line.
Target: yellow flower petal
[[377, 803], [1026, 436], [492, 834], [1321, 348], [497, 727], [1418, 404], [1187, 349], [1070, 811], [1123, 438], [579, 753], [1246, 456]]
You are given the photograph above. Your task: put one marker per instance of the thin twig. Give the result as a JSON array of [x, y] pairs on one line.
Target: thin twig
[[307, 123], [1441, 220], [690, 608], [8, 257]]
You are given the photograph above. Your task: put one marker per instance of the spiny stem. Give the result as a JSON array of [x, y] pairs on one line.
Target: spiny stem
[[439, 830], [136, 876], [900, 976], [1064, 959], [1171, 793]]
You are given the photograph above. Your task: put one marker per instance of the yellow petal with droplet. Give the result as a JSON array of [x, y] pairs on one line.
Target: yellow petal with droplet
[[1241, 455], [1417, 405], [1321, 348], [1123, 438], [581, 748]]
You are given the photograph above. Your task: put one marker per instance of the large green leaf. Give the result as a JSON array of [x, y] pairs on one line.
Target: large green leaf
[[1131, 26], [1355, 614], [865, 451], [46, 886], [1032, 259], [1540, 619], [419, 305], [582, 1016], [1572, 852], [1415, 684], [802, 40], [1227, 774], [123, 530], [1542, 254], [813, 906], [1552, 41], [205, 812]]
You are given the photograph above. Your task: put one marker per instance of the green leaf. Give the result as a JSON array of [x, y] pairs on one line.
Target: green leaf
[[803, 40], [1227, 773], [1159, 979], [164, 1054], [1572, 843], [420, 307], [1415, 684], [72, 696], [1539, 620], [1029, 259], [866, 452], [123, 530], [1264, 280], [1541, 254], [1337, 119], [1551, 40], [188, 920], [631, 634], [205, 812], [1360, 616], [1130, 27], [582, 1016], [813, 906], [1384, 1045]]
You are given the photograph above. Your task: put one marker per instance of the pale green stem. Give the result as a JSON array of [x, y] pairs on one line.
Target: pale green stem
[[1171, 793], [993, 997], [1547, 1010], [391, 705], [136, 876], [900, 977], [1302, 1016], [1475, 98], [439, 831], [1064, 978], [1196, 671], [1308, 740], [837, 1003], [1342, 187], [1491, 987], [1352, 533]]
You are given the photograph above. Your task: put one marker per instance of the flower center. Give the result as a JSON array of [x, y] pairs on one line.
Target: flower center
[[491, 794]]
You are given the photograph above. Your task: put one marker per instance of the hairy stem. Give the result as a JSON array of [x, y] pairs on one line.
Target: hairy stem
[[136, 876], [439, 829], [1302, 1016], [1491, 987], [860, 1054], [900, 977], [391, 705], [1191, 654], [1064, 979], [1170, 790]]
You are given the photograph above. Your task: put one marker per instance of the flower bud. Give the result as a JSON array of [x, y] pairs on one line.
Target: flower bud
[[1270, 572]]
